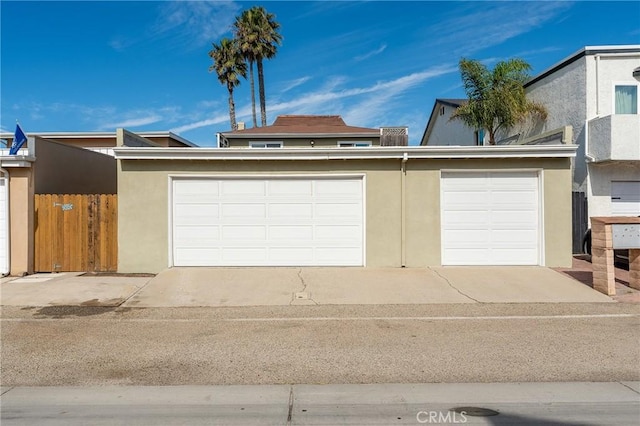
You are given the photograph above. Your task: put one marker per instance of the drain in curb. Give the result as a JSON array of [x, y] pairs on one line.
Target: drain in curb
[[475, 411]]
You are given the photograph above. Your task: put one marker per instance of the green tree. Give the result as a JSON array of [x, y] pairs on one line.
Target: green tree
[[496, 98], [229, 65], [257, 33]]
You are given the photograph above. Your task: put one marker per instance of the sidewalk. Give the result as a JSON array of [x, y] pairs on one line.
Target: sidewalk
[[574, 403], [215, 287]]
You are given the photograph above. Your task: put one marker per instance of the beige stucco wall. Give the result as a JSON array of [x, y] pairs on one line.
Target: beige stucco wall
[[302, 142], [21, 215], [143, 205]]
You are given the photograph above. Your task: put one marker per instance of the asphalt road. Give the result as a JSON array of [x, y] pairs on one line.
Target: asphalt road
[[56, 346]]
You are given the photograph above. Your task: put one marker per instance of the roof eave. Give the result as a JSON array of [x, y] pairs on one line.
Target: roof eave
[[231, 135], [363, 153]]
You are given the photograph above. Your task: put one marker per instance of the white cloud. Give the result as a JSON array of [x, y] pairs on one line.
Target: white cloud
[[185, 24], [133, 122], [288, 85], [490, 24], [370, 54]]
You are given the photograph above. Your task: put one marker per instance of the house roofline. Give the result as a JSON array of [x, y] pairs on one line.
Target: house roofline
[[363, 153], [101, 135], [585, 51], [231, 135]]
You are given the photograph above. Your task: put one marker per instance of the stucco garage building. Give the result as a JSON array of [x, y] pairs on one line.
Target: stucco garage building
[[371, 207]]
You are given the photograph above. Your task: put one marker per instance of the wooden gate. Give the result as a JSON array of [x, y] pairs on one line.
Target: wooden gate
[[76, 233]]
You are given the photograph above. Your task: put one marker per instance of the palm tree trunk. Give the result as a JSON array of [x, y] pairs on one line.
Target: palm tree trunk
[[253, 95], [232, 110], [263, 107]]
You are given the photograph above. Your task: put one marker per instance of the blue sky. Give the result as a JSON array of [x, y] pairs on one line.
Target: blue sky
[[97, 66]]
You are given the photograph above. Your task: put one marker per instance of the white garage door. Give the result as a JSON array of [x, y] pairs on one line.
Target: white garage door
[[490, 218], [625, 198], [268, 222]]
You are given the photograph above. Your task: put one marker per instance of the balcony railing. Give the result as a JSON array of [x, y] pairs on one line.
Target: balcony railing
[[614, 138]]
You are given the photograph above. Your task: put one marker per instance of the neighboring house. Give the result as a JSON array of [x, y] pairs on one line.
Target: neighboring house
[[104, 142], [289, 131], [441, 130], [67, 163], [595, 93], [43, 167], [354, 206]]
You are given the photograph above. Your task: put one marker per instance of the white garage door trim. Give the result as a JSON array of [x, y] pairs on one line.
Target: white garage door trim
[[4, 225], [496, 246], [343, 245]]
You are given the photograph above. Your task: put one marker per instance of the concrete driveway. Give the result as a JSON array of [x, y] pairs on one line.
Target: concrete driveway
[[191, 287], [329, 286]]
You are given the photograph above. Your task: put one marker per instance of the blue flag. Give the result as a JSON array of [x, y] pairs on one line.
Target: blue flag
[[19, 138]]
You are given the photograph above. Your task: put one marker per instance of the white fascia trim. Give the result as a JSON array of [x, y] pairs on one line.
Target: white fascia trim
[[359, 153], [16, 161]]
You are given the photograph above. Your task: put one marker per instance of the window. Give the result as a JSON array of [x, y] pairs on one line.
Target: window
[[626, 99], [265, 144], [442, 110], [354, 144], [479, 137]]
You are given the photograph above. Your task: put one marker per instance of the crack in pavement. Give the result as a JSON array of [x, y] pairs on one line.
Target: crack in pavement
[[304, 289], [452, 286]]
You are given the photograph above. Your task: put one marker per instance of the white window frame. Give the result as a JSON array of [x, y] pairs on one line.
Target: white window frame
[[354, 144], [613, 95], [265, 144]]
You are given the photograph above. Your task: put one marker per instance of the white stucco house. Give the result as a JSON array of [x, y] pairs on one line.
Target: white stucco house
[[593, 92]]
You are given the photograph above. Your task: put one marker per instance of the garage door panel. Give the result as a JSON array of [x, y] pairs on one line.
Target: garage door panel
[[245, 210], [196, 213], [244, 232], [467, 237], [190, 191], [514, 199], [261, 222], [302, 255], [288, 188], [290, 233], [337, 210], [333, 188], [255, 254], [471, 256], [462, 199], [239, 188], [337, 233], [291, 210], [490, 218], [195, 256], [192, 233]]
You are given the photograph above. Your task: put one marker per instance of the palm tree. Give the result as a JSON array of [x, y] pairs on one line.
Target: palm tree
[[248, 40], [257, 33], [497, 99], [229, 64]]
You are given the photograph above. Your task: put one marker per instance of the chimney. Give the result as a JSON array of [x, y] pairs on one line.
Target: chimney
[[240, 125]]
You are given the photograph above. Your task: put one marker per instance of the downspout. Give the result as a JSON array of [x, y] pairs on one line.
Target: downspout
[[403, 207], [5, 175]]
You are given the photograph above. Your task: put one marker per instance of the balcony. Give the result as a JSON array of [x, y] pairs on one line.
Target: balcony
[[614, 138]]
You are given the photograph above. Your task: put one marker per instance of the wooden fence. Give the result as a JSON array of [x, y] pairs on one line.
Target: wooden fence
[[76, 233]]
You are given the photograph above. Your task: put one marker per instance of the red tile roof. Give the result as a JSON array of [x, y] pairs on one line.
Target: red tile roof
[[315, 124]]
